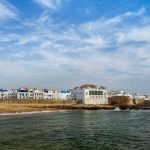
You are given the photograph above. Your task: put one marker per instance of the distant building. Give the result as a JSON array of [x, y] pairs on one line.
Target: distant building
[[38, 94], [65, 94], [7, 94], [57, 95], [119, 93], [90, 94], [138, 96], [147, 97], [22, 93], [47, 94], [31, 93], [51, 95]]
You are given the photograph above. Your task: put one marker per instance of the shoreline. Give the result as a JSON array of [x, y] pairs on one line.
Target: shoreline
[[57, 110], [18, 109], [28, 106], [28, 113]]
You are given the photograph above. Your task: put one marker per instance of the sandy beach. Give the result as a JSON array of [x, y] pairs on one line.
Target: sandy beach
[[12, 106]]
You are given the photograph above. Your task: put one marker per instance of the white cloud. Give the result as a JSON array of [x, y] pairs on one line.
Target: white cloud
[[103, 23], [27, 39], [105, 51], [50, 4], [135, 34], [95, 41], [7, 11]]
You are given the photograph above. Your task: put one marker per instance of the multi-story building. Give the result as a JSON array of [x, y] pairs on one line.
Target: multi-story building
[[31, 93], [13, 94], [90, 94], [138, 96], [119, 93], [25, 93], [56, 94], [4, 94], [22, 93], [51, 94], [65, 95], [38, 94], [7, 94], [147, 97], [46, 94]]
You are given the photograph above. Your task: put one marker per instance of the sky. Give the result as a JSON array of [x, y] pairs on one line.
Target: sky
[[66, 43]]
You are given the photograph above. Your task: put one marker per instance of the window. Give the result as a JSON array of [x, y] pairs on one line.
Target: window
[[95, 92], [90, 93], [100, 92]]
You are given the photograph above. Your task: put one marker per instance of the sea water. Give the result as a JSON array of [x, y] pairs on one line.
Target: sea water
[[76, 130]]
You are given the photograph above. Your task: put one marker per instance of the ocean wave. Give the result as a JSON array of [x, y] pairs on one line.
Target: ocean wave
[[32, 112]]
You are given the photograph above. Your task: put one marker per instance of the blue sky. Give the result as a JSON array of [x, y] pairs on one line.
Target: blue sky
[[65, 43]]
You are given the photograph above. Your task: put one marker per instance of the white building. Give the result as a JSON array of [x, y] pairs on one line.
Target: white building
[[7, 94], [138, 96], [22, 93], [25, 93], [65, 95], [90, 94], [147, 97], [31, 93], [57, 95], [51, 94], [38, 94], [119, 93], [47, 95], [13, 94]]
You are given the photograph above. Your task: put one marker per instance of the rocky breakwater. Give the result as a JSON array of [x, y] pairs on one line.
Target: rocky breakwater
[[125, 102]]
